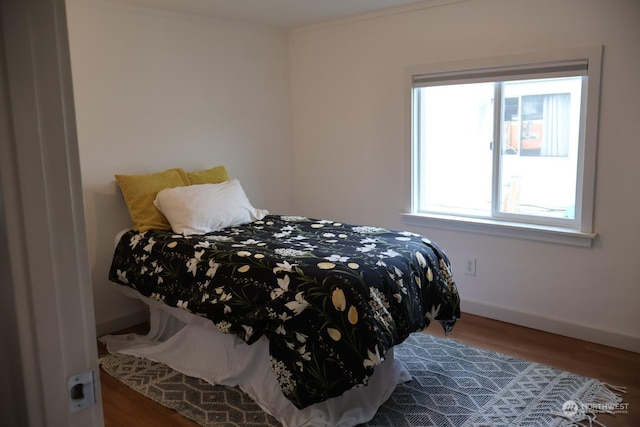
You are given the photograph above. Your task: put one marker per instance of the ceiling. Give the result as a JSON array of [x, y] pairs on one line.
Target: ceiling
[[278, 13]]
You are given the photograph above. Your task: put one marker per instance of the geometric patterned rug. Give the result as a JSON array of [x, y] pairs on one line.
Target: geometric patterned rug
[[453, 384]]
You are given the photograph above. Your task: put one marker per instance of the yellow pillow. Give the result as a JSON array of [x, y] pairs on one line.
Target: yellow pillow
[[140, 191], [209, 176]]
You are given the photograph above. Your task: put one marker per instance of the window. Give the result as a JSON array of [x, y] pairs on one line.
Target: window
[[507, 141]]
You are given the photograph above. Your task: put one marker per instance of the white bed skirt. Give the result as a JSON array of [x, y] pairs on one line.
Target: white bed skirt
[[193, 346]]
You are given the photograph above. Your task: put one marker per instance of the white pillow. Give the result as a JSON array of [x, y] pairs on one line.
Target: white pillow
[[203, 208]]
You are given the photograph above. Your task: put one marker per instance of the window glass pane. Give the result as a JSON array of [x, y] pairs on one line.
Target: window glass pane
[[455, 140], [539, 160]]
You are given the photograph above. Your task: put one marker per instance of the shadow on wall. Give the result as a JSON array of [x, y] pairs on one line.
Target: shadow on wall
[[107, 215]]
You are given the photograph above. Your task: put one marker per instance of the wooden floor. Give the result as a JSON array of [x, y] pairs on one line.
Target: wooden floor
[[126, 408]]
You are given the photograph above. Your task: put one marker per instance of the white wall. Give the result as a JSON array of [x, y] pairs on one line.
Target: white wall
[[350, 145], [156, 90]]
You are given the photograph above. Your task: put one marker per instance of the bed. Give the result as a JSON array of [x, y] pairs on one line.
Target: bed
[[300, 313]]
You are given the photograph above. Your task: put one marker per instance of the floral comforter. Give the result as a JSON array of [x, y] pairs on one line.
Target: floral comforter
[[332, 298]]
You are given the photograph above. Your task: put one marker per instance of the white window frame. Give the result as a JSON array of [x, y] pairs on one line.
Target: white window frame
[[580, 232]]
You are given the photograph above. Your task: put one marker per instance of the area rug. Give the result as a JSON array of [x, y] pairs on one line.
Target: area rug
[[453, 384]]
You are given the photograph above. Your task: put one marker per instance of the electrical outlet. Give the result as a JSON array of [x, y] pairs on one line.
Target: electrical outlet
[[470, 267]]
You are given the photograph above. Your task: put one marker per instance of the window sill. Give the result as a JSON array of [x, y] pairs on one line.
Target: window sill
[[491, 227]]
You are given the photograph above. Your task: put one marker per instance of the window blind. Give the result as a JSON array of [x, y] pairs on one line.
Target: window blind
[[577, 67]]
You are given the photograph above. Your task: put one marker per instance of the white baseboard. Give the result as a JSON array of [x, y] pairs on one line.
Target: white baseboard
[[122, 322], [534, 321]]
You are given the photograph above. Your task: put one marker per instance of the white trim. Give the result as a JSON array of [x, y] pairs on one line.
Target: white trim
[[508, 229], [547, 324], [588, 163], [122, 322]]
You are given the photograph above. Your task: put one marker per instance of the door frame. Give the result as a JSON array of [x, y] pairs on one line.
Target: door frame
[[47, 307]]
